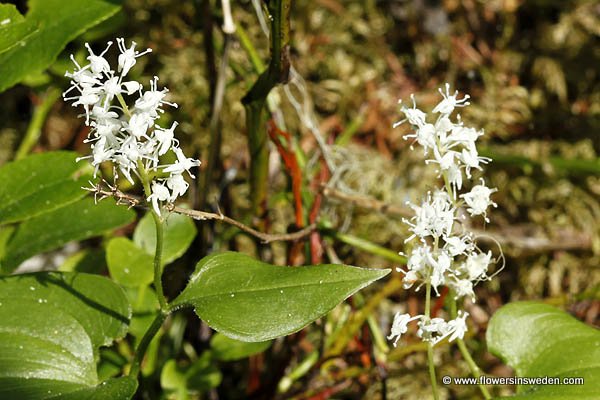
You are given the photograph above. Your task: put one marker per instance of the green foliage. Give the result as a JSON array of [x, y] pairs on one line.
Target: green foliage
[[51, 326], [16, 29], [198, 376], [40, 183], [76, 221], [179, 232], [128, 264], [35, 41], [252, 301], [538, 340], [227, 349], [144, 305]]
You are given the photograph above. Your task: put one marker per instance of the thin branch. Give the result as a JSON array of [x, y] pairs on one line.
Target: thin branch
[[101, 192]]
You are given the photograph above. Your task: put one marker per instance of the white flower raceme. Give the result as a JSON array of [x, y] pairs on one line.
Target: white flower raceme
[[445, 255], [129, 136]]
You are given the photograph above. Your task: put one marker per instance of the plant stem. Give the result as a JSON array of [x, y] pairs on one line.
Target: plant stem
[[144, 343], [158, 223], [365, 245], [34, 130], [430, 363], [431, 366], [475, 370], [158, 262], [123, 105], [254, 103]]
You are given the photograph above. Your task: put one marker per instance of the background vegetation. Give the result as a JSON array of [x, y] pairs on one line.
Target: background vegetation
[[333, 159]]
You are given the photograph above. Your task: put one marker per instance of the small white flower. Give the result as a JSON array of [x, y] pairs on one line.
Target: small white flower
[[131, 87], [447, 105], [478, 200], [457, 327], [457, 245], [159, 193], [98, 64], [178, 186], [183, 163], [477, 264], [462, 288], [151, 100], [429, 329], [138, 124], [400, 326], [434, 217], [413, 115], [164, 138], [127, 58]]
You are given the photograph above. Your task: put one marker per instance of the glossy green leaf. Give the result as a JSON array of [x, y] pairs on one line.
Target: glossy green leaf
[[144, 305], [252, 301], [76, 221], [226, 349], [199, 376], [46, 29], [128, 264], [87, 260], [13, 27], [179, 232], [51, 326], [539, 340], [5, 235], [40, 183]]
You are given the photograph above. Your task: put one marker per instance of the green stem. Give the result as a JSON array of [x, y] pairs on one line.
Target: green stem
[[247, 45], [430, 362], [254, 103], [431, 366], [158, 223], [123, 105], [475, 370], [158, 262], [365, 245], [34, 130], [144, 343]]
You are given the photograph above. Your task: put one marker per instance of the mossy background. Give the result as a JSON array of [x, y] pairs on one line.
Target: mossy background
[[531, 68]]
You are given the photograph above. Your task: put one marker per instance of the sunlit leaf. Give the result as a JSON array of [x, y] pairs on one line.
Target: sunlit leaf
[[46, 29], [76, 221], [51, 326], [40, 183], [253, 301]]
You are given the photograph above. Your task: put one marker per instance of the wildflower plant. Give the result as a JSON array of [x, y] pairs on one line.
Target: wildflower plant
[[124, 121], [235, 294], [443, 250]]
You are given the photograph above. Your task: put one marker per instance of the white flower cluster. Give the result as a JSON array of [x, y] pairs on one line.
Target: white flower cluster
[[129, 137], [445, 254]]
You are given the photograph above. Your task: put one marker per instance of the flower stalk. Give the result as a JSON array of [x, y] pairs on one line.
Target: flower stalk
[[129, 136]]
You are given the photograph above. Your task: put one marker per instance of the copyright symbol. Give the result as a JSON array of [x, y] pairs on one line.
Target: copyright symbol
[[446, 380]]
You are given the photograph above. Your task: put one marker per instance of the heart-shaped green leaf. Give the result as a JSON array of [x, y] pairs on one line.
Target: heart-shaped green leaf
[[128, 264], [48, 26], [252, 301], [51, 326], [179, 231], [76, 221], [539, 340], [40, 183]]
